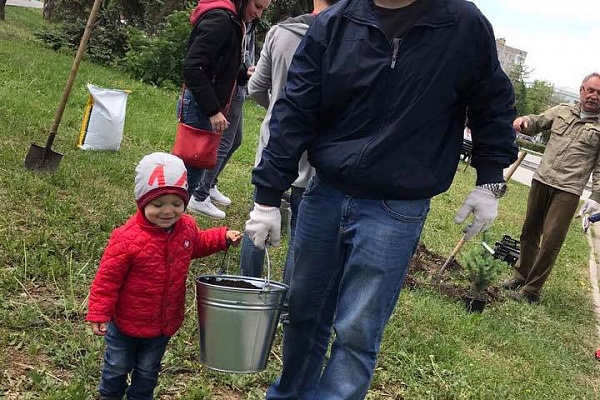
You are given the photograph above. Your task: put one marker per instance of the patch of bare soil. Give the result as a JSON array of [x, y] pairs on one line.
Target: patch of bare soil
[[226, 393], [425, 265], [220, 392], [15, 367]]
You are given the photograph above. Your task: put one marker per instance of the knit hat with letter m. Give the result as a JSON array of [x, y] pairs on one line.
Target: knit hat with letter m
[[158, 174]]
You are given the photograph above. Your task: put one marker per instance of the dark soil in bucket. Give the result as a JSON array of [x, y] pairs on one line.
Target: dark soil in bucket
[[229, 283], [425, 264]]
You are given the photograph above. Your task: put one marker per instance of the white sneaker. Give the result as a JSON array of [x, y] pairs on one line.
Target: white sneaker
[[219, 197], [205, 207]]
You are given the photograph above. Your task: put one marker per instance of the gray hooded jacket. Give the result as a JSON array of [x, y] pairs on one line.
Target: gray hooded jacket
[[269, 79]]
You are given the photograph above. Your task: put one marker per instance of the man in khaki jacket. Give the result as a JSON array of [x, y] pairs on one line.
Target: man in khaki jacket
[[570, 157]]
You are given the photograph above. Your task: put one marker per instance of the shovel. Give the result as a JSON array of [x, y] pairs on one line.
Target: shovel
[[507, 175], [44, 158]]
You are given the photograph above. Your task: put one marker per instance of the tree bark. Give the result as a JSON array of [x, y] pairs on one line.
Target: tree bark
[[47, 10], [2, 7]]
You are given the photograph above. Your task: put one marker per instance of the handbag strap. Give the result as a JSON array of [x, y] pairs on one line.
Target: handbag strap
[[181, 102]]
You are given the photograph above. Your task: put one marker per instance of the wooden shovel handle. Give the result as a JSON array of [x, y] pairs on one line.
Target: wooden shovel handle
[[71, 78], [458, 246], [455, 251], [513, 167]]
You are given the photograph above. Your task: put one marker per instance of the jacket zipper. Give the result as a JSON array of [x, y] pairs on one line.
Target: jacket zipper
[[395, 47], [166, 293]]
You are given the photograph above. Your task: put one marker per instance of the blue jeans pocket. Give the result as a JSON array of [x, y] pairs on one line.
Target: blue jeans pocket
[[411, 211], [313, 185], [189, 112]]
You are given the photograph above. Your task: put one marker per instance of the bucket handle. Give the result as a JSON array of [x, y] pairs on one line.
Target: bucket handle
[[268, 279], [225, 263]]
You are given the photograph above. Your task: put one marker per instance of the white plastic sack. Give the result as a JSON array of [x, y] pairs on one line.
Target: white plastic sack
[[103, 119]]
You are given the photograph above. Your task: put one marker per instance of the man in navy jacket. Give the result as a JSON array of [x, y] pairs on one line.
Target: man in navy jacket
[[377, 93]]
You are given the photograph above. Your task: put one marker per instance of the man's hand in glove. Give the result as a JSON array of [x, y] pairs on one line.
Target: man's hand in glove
[[589, 207], [587, 220], [264, 224], [484, 206]]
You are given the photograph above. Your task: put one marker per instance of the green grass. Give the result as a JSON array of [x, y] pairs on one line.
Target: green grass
[[53, 228]]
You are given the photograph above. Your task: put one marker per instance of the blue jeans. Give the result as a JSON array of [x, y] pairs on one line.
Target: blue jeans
[[351, 257], [189, 112], [124, 354], [252, 258], [201, 180], [234, 133]]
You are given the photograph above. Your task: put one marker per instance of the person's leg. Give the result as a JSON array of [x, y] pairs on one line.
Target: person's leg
[[147, 365], [227, 140], [118, 362], [313, 292], [235, 115], [251, 257], [537, 208], [189, 113], [558, 219], [295, 199], [194, 177], [379, 238]]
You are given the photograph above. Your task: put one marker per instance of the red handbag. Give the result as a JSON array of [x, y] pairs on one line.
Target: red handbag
[[196, 147]]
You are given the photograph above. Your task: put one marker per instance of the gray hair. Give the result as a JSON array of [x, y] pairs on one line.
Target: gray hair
[[587, 78]]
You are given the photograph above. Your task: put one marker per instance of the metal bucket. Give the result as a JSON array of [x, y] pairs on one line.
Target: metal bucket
[[237, 318]]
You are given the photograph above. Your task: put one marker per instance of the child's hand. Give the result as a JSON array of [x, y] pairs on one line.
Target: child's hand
[[233, 237], [98, 328]]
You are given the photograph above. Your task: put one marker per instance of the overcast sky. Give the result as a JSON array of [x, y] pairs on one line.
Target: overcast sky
[[561, 38]]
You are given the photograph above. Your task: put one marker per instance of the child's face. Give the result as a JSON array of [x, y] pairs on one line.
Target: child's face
[[164, 210]]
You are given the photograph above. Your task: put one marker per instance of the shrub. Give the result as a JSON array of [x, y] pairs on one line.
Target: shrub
[[526, 144], [107, 41], [158, 58]]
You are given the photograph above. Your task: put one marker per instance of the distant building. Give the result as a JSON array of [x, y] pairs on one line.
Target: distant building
[[508, 56], [564, 95]]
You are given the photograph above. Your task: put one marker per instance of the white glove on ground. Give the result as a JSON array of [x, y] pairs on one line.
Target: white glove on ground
[[264, 224], [484, 206], [589, 207]]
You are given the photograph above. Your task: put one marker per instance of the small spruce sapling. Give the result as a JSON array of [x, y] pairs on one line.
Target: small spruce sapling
[[481, 268]]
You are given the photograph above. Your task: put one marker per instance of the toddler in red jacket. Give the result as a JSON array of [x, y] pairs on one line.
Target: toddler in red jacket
[[137, 298]]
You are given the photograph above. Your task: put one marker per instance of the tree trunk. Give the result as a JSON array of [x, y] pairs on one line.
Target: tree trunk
[[47, 10], [2, 7]]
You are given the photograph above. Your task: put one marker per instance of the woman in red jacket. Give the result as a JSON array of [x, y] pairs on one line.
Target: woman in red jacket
[[137, 298]]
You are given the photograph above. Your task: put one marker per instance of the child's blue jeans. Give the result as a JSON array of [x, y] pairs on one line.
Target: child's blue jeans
[[124, 354]]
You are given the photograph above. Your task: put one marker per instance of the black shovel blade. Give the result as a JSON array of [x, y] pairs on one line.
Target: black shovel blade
[[42, 159]]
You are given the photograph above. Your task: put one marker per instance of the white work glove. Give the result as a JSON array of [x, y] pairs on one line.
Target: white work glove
[[484, 206], [264, 225], [585, 223], [589, 207]]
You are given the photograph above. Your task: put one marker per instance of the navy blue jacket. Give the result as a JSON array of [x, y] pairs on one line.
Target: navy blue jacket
[[385, 120]]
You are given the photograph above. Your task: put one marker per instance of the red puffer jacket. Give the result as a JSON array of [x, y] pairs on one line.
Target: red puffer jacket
[[140, 283]]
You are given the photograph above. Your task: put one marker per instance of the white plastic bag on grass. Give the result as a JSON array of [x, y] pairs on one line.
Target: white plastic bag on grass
[[103, 119]]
